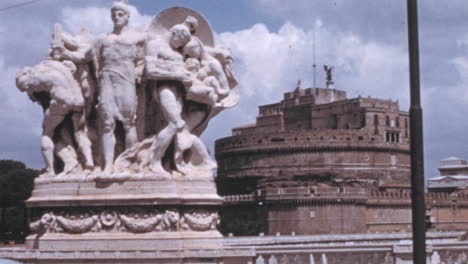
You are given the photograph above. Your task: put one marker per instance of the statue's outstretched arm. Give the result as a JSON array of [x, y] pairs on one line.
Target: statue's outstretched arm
[[155, 72], [68, 47], [163, 69], [70, 42]]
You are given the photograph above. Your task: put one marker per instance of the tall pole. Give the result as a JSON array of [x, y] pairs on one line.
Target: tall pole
[[314, 65], [416, 139]]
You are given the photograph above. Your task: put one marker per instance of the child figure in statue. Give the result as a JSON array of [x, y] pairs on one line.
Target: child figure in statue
[[203, 88]]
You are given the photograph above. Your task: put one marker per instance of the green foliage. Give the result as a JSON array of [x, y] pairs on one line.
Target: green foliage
[[6, 165], [16, 182]]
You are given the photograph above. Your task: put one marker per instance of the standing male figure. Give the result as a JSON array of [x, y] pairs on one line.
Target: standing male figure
[[165, 64], [115, 56]]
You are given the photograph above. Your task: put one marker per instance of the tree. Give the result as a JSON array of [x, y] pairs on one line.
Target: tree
[[16, 184]]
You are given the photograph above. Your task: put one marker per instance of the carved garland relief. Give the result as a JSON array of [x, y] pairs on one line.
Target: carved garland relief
[[132, 221]]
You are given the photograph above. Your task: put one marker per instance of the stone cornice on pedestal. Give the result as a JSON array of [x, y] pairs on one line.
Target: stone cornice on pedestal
[[142, 192]]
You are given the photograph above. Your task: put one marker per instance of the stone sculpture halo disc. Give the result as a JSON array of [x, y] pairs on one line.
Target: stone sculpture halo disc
[[167, 18]]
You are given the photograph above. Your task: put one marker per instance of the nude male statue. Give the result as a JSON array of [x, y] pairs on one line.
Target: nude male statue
[[165, 63], [116, 55], [51, 84], [168, 61]]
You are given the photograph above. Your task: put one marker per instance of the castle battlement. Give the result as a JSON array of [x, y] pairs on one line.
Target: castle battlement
[[315, 131]]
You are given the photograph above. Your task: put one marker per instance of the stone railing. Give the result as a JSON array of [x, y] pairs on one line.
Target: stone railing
[[385, 248], [390, 195], [240, 198], [302, 194], [407, 195]]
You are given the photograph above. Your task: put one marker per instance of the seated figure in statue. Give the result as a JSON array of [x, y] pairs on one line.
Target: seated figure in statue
[[52, 84]]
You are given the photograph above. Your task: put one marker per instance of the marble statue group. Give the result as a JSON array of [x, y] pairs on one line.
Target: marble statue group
[[133, 102]]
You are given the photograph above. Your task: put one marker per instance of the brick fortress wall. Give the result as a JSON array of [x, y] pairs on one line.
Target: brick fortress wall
[[320, 135]]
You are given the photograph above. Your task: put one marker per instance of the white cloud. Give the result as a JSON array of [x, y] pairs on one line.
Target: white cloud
[[21, 117], [270, 63], [97, 19], [267, 64], [460, 90]]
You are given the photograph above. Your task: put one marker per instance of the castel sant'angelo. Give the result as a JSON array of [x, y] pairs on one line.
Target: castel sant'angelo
[[320, 163]]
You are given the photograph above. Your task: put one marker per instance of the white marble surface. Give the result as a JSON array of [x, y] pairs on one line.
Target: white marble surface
[[99, 81]]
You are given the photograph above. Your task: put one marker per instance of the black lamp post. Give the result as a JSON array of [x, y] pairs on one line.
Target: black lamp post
[[416, 139]]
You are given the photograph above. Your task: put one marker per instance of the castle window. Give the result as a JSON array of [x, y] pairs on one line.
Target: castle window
[[334, 124], [312, 214], [392, 137], [406, 127], [397, 122], [376, 124], [387, 120], [277, 140]]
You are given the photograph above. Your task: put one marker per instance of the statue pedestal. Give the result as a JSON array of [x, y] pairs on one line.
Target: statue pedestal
[[125, 241], [79, 191], [142, 211], [138, 215]]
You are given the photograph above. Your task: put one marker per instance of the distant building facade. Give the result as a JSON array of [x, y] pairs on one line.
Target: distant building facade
[[320, 163], [453, 176], [317, 134]]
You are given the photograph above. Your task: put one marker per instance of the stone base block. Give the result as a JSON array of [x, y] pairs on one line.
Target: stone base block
[[153, 256], [134, 219], [56, 192], [172, 241]]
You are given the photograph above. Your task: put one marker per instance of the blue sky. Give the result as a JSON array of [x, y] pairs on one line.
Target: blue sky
[[272, 43]]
